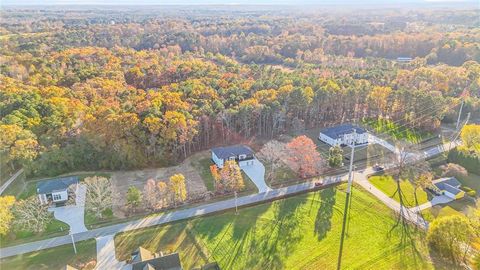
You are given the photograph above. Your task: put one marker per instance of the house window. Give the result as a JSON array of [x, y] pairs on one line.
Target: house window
[[57, 197], [242, 157]]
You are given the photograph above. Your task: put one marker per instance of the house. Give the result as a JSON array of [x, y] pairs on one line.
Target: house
[[143, 259], [343, 135], [55, 190], [448, 186], [404, 59], [240, 153]]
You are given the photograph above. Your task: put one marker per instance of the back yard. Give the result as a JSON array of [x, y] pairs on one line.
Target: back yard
[[300, 232]]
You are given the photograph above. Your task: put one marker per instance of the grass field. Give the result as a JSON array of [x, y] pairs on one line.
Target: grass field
[[396, 131], [300, 232], [53, 258], [388, 185], [203, 167]]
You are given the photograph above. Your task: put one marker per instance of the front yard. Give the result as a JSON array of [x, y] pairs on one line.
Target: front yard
[[54, 258], [388, 185], [300, 232]]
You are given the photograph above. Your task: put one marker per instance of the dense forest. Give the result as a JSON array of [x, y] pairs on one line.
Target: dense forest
[[87, 89]]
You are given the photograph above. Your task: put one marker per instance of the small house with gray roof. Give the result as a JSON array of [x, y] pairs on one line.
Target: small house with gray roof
[[55, 190], [242, 154], [344, 134], [448, 186]]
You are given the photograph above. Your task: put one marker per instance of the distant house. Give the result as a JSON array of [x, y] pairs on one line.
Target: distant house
[[343, 135], [55, 190], [448, 186], [404, 59], [143, 259], [240, 153]]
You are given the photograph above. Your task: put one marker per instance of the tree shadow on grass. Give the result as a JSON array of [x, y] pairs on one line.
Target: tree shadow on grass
[[323, 220], [275, 240]]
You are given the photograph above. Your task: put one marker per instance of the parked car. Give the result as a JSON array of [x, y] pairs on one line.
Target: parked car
[[378, 168], [318, 184]]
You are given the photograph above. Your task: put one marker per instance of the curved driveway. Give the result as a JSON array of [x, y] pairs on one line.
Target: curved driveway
[[256, 172]]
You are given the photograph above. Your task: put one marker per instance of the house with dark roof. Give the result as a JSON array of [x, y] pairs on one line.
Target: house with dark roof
[[344, 135], [55, 190], [242, 154], [143, 259], [448, 186]]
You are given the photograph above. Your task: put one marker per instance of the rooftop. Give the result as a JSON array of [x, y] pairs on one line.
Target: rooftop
[[449, 184], [338, 131], [167, 262], [234, 150], [56, 184]]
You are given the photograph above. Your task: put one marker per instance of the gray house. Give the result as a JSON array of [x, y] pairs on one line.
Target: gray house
[[143, 259], [448, 186], [55, 190], [242, 154], [344, 135]]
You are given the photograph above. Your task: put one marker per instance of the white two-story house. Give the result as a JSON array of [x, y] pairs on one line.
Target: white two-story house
[[344, 135]]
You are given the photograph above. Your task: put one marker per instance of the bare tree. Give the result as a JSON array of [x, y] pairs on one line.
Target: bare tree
[[150, 195], [99, 194], [271, 153], [31, 215]]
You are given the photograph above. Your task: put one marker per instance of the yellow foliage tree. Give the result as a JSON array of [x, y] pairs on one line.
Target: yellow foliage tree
[[178, 188], [6, 216]]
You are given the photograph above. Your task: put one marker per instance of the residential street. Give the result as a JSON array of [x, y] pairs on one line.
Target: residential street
[[273, 194]]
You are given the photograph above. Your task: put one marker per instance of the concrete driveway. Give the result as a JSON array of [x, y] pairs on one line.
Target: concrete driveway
[[442, 199], [256, 172], [106, 254], [73, 215]]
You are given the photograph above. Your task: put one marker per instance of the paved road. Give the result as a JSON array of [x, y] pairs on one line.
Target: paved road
[[222, 206], [166, 218], [106, 254], [256, 172], [10, 180]]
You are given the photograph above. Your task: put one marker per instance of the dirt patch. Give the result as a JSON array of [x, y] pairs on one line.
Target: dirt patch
[[122, 180]]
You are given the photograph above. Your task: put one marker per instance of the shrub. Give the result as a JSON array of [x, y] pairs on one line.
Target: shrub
[[465, 159]]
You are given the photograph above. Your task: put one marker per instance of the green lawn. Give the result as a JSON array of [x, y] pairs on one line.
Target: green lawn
[[388, 185], [300, 232], [281, 176], [53, 258], [54, 228], [397, 131], [203, 166], [439, 211], [472, 181]]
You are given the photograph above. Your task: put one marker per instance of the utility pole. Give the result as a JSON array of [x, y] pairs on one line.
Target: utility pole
[[347, 201], [73, 243], [236, 205], [459, 115]]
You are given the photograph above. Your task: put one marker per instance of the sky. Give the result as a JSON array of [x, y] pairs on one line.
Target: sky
[[214, 2]]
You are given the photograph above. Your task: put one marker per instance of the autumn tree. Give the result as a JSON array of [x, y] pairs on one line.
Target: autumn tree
[[6, 216], [271, 153], [451, 237], [335, 156], [31, 215], [99, 194], [470, 135], [303, 152], [177, 188], [150, 195], [231, 178], [452, 169]]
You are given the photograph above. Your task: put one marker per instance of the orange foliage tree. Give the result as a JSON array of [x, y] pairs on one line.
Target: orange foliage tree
[[303, 153]]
